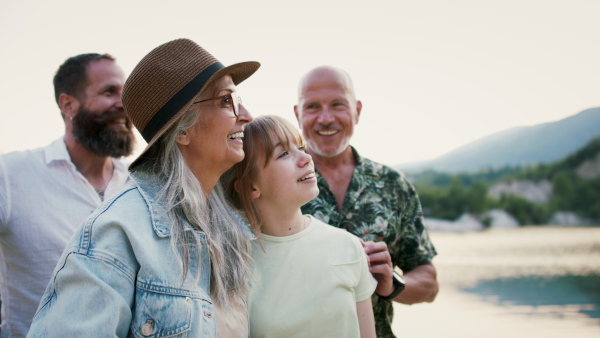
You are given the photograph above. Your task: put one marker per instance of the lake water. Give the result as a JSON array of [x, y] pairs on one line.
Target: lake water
[[525, 282]]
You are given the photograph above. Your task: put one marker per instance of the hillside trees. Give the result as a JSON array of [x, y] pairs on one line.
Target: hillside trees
[[448, 196], [451, 202]]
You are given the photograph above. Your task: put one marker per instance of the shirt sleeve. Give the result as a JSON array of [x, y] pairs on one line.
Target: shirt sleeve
[[367, 284], [416, 247]]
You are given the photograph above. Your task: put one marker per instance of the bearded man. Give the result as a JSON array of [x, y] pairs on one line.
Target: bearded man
[[47, 192]]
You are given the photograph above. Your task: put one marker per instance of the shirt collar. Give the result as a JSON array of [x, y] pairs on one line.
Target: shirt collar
[[57, 151], [365, 166], [359, 162]]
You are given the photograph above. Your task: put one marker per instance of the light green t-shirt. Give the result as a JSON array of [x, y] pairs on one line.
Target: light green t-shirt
[[308, 284]]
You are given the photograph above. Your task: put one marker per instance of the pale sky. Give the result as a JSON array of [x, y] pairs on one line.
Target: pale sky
[[432, 74]]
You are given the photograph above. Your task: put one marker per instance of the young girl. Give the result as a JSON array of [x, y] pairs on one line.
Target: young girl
[[311, 279]]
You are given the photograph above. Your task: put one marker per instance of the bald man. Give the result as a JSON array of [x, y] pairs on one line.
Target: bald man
[[369, 199]]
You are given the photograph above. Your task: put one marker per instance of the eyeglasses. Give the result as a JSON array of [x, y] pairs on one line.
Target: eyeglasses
[[229, 101]]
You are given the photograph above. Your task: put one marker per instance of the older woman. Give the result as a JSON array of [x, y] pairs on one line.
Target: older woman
[[166, 256]]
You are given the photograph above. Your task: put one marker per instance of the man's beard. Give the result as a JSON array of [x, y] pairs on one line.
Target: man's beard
[[93, 131], [326, 152]]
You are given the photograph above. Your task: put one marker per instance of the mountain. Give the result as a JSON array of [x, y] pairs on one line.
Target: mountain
[[565, 192], [519, 146]]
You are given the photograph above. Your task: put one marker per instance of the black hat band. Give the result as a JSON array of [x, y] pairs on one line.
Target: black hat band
[[179, 100]]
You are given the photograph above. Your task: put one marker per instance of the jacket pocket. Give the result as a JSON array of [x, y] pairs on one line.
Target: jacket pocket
[[161, 314]]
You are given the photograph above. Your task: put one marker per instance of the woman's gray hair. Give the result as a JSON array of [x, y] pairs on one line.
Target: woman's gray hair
[[228, 244]]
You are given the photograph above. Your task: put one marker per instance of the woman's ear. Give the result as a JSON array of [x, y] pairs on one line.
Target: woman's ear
[[183, 139]]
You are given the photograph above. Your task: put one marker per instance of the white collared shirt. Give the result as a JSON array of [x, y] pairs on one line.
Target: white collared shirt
[[43, 199]]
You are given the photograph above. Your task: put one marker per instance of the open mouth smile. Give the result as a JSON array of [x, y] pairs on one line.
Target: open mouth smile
[[311, 175], [236, 136], [327, 132]]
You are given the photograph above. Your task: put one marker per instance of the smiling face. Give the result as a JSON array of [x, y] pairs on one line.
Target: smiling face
[[327, 111], [276, 173], [214, 143], [102, 94], [288, 179], [100, 124]]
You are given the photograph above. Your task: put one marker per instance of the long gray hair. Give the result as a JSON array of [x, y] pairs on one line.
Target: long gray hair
[[228, 244]]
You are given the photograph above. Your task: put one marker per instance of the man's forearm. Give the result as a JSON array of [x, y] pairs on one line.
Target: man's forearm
[[421, 285]]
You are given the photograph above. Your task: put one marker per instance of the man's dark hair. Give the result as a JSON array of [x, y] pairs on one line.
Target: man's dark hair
[[71, 76]]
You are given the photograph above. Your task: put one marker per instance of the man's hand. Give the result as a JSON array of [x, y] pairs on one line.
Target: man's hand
[[421, 282], [380, 265]]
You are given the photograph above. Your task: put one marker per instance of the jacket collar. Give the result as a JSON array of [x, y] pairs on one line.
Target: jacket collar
[[150, 188]]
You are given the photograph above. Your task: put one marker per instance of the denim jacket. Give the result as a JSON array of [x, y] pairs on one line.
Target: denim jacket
[[119, 277]]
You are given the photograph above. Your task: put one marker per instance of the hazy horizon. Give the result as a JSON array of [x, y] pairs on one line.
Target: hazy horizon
[[432, 75]]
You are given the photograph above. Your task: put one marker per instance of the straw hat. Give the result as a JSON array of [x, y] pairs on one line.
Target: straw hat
[[162, 86]]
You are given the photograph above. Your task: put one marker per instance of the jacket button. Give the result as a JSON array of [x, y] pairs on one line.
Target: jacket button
[[207, 314], [147, 328], [188, 299]]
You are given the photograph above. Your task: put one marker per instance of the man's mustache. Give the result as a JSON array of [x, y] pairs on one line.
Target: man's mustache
[[111, 115]]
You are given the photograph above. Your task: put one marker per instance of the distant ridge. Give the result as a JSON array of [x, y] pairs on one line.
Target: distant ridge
[[519, 146]]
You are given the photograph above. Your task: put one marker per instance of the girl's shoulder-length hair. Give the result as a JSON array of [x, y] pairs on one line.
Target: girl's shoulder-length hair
[[261, 136]]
